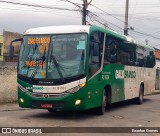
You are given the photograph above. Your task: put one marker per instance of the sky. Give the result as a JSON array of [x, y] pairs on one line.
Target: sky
[[144, 16]]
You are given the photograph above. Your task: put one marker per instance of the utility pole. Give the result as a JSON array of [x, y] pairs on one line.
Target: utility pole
[[126, 18], [84, 11]]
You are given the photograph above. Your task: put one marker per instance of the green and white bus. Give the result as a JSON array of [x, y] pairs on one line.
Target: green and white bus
[[82, 67]]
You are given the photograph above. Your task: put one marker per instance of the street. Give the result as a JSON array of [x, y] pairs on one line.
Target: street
[[123, 114]]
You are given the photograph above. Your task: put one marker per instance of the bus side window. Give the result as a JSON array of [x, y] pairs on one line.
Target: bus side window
[[112, 51], [150, 59], [95, 53]]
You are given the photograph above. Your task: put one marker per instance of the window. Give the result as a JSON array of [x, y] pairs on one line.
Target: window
[[127, 53], [112, 50], [67, 56], [149, 58], [140, 56], [95, 53]]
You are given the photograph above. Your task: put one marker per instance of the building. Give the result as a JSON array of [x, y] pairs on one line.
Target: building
[[1, 47], [157, 58], [157, 55], [8, 37]]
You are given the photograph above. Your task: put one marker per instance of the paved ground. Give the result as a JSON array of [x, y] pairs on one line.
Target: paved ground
[[124, 114]]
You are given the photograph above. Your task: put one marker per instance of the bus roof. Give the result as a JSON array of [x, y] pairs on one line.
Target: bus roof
[[59, 29], [120, 36], [81, 29]]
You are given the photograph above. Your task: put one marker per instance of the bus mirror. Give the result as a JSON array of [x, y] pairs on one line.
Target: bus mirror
[[95, 49], [16, 40], [12, 47]]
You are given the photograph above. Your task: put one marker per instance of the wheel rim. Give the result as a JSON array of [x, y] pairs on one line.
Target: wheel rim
[[104, 102], [141, 96]]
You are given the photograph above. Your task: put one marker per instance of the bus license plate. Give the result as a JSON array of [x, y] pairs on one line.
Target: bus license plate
[[46, 105]]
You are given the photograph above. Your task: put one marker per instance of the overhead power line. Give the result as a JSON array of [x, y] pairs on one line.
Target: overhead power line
[[43, 11], [76, 4], [35, 5], [81, 6], [150, 35], [83, 9], [107, 13], [103, 20], [142, 33]]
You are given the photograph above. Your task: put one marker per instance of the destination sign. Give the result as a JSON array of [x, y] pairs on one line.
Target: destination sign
[[34, 63], [41, 40]]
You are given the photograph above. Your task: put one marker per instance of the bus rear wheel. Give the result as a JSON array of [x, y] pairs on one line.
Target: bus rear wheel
[[101, 110], [139, 99]]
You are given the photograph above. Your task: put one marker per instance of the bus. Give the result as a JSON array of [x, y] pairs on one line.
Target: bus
[[82, 67]]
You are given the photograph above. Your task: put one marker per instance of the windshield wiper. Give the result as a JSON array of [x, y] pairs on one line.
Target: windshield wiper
[[43, 58], [52, 58], [33, 73], [32, 51]]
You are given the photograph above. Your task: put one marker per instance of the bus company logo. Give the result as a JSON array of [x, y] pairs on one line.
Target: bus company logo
[[121, 74], [129, 74], [46, 95], [37, 88]]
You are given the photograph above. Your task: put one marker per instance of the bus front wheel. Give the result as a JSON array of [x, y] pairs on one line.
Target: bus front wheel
[[101, 110]]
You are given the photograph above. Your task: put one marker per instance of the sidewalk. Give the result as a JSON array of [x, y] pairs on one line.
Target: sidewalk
[[11, 107], [156, 92]]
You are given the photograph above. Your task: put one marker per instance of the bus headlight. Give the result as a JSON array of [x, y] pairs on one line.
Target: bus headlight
[[21, 100], [78, 102]]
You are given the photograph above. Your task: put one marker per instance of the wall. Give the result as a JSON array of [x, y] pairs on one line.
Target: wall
[[8, 84], [8, 37], [157, 79], [157, 64], [157, 55]]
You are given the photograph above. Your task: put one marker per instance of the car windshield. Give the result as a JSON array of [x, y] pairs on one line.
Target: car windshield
[[53, 56]]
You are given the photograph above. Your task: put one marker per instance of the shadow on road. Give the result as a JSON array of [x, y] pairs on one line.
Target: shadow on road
[[63, 115], [124, 104], [82, 115]]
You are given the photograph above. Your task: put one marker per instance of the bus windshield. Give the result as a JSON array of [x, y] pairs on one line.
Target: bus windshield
[[53, 56]]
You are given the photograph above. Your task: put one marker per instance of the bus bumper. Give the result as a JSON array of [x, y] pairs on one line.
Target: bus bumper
[[69, 102]]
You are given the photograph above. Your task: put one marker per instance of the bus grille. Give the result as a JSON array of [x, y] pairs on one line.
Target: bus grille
[[38, 95]]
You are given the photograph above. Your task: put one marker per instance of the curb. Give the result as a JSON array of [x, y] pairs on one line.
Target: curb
[[156, 92], [18, 109], [12, 107]]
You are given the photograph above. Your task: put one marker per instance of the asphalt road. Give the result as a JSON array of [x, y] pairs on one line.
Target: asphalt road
[[123, 114]]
